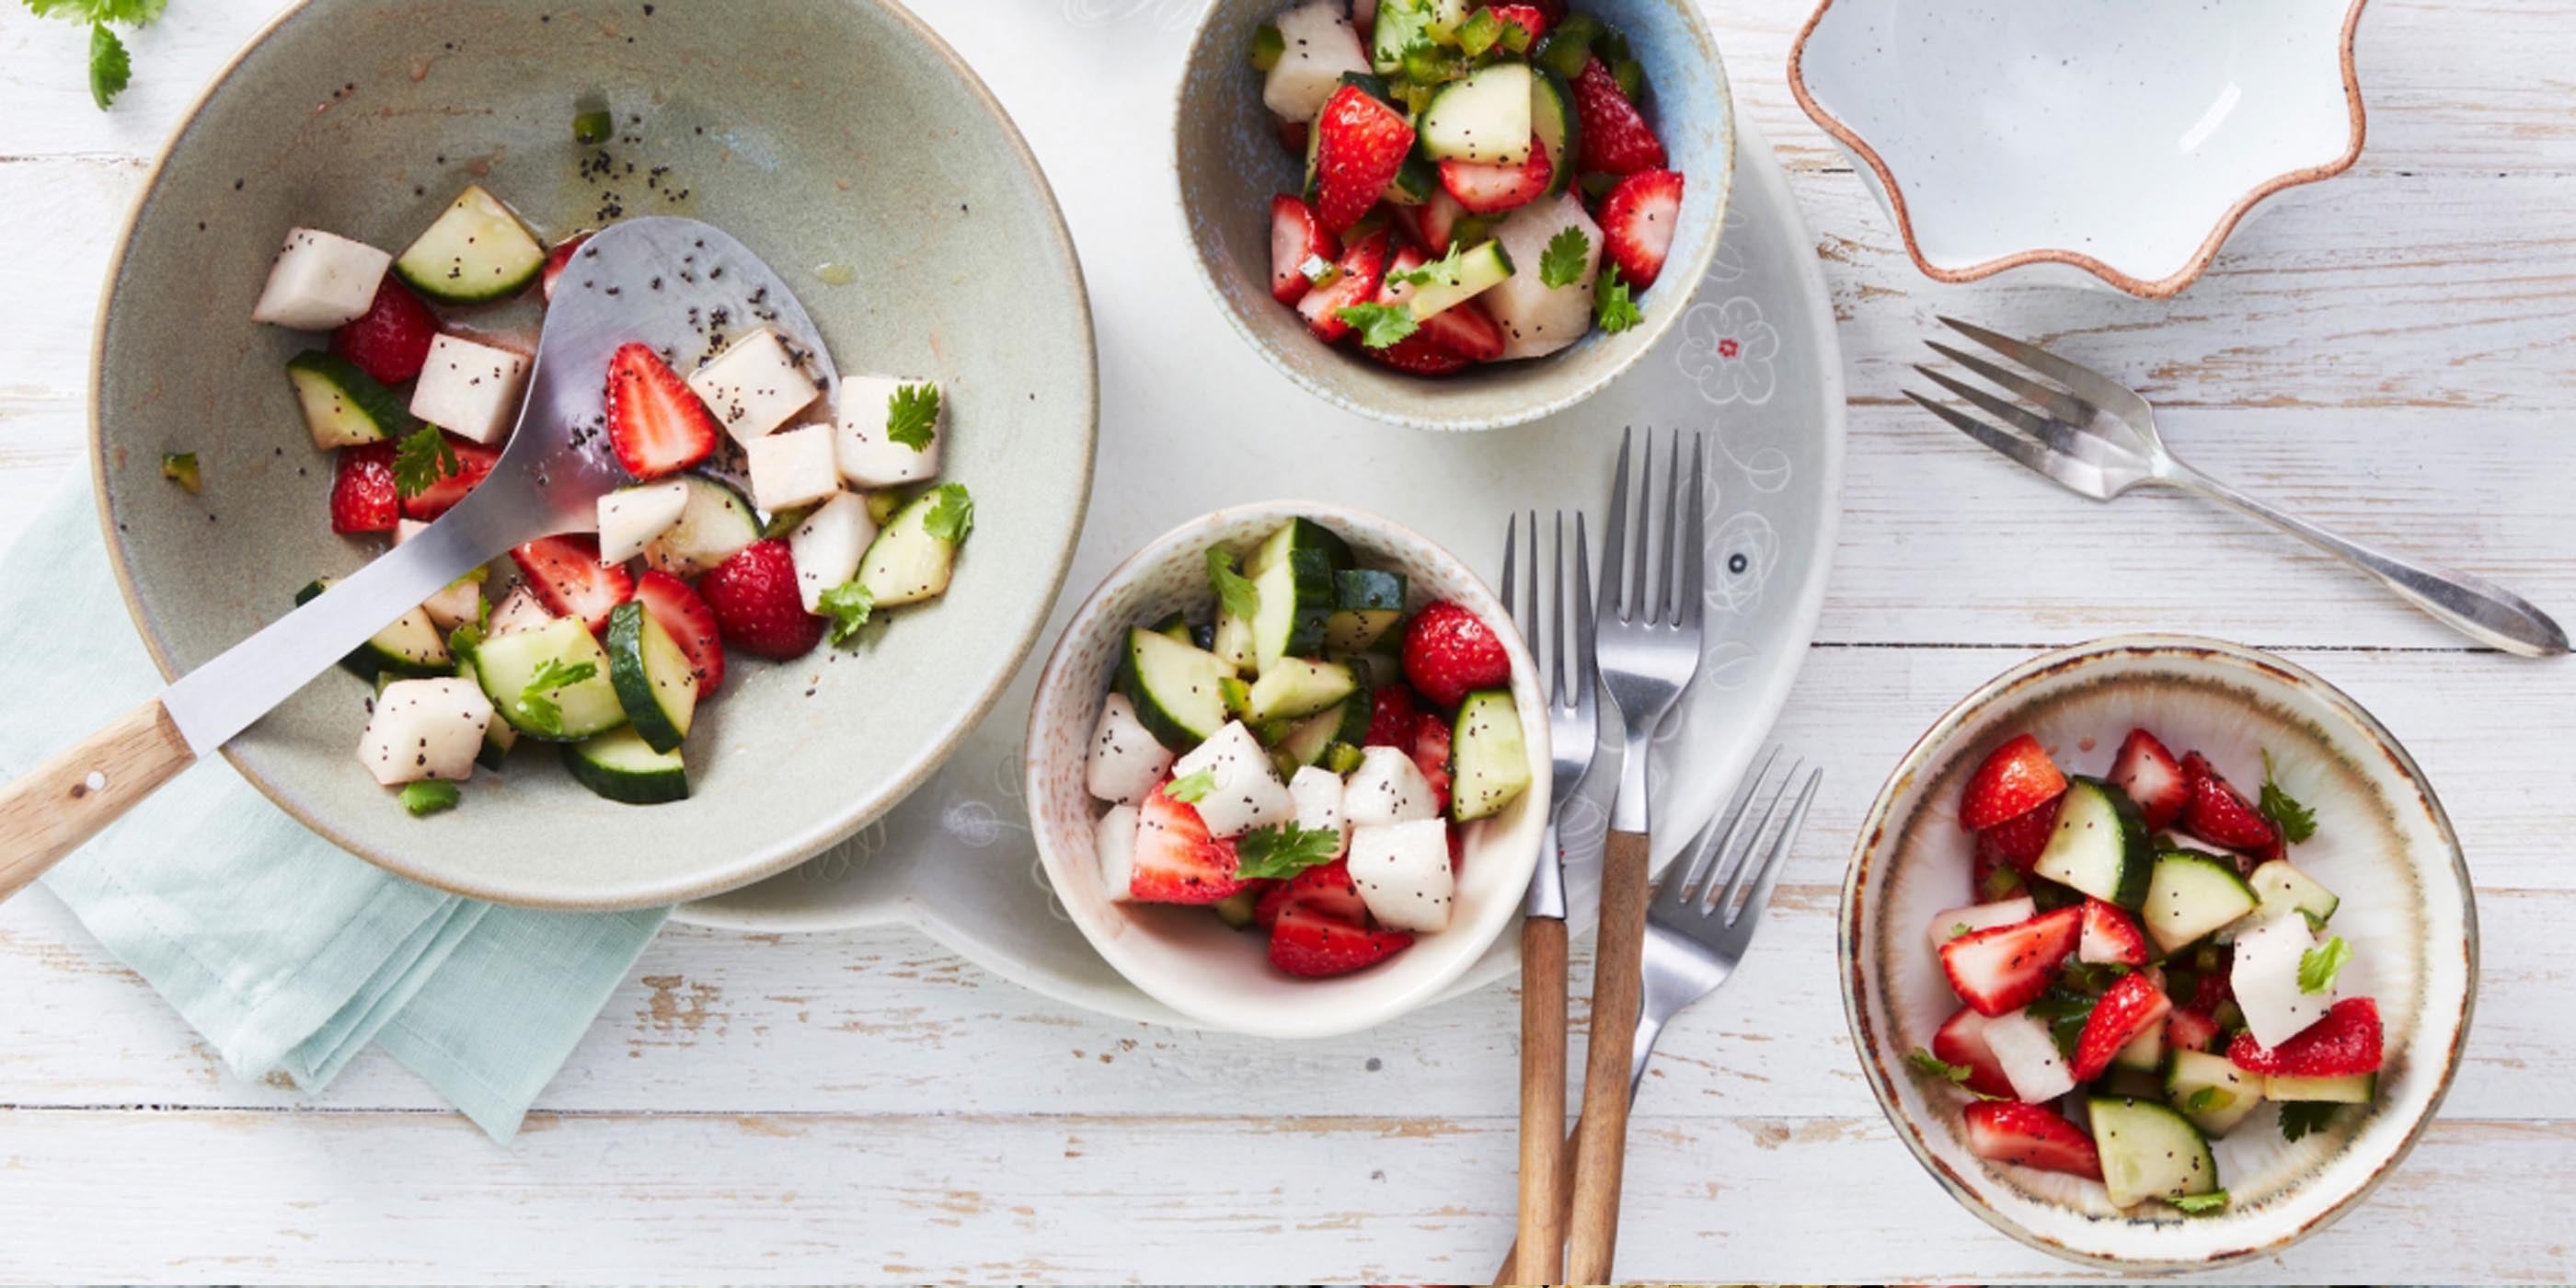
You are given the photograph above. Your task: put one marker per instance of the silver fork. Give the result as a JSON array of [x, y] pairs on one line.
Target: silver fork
[[2097, 438], [1563, 653], [1649, 642], [1695, 938]]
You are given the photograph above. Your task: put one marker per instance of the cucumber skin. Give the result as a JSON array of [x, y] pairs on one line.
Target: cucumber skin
[[1473, 707], [625, 787], [2139, 862], [389, 414], [1166, 728], [1544, 82], [634, 681]]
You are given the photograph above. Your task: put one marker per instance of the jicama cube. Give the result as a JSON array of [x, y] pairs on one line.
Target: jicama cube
[[320, 281], [792, 469], [1114, 839], [425, 729], [874, 412], [2029, 1055], [1317, 793], [754, 386], [1317, 45], [1126, 762], [1402, 871], [630, 517], [470, 389], [827, 546], [1246, 792], [1955, 922], [1387, 788]]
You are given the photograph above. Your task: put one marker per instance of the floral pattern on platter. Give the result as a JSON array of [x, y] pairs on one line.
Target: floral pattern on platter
[[1170, 15], [1728, 350]]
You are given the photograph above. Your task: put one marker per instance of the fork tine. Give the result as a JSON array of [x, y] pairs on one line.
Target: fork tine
[[1641, 604], [2091, 384], [1779, 856], [1587, 663], [1744, 865], [1614, 536], [1694, 581], [1668, 568], [1560, 691], [1511, 549], [2055, 435], [2061, 404], [2074, 475], [1685, 872]]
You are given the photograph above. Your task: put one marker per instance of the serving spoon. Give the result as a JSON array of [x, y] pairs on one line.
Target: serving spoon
[[666, 282]]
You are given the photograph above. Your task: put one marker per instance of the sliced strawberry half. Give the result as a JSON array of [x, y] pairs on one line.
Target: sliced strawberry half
[[1637, 222], [1360, 145], [1431, 755], [2188, 1030], [657, 425], [2345, 1042], [757, 605], [1319, 926], [2016, 778], [2111, 936], [1297, 236], [1419, 355], [1326, 890], [390, 341], [1363, 270], [1529, 16], [1465, 329], [2024, 837], [1616, 138], [2010, 1132], [1292, 137], [2152, 778], [2131, 1007], [1176, 860], [363, 498], [1437, 220], [1492, 189], [1393, 711], [2220, 814], [473, 462], [565, 574], [2007, 967], [688, 621], [557, 260], [1961, 1040]]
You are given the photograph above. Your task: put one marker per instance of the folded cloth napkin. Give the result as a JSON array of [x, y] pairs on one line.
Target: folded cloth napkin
[[285, 951]]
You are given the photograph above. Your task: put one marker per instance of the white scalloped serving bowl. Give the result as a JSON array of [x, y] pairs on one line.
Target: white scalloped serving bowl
[[2094, 142]]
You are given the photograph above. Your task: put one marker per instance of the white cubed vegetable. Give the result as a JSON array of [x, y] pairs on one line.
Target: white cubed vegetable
[[1114, 839], [2029, 1056], [461, 601], [867, 457], [1317, 793], [828, 544], [756, 385], [1402, 871], [1317, 44], [1126, 762], [1950, 925], [2265, 979], [1538, 319], [518, 611], [1387, 788], [470, 389], [1247, 792], [425, 729], [792, 469], [320, 281], [630, 517]]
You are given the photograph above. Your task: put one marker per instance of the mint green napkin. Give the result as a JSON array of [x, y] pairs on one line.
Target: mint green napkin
[[285, 951]]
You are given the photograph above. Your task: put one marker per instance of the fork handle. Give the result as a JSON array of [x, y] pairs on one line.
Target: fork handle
[[1600, 1155], [1538, 1257], [2469, 604]]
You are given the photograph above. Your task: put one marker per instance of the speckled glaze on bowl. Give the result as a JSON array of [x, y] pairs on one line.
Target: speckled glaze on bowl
[[2383, 843], [1228, 163], [1184, 957], [840, 133]]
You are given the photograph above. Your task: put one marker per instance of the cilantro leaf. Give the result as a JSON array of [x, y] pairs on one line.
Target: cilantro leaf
[[1933, 1066], [2299, 1117], [1561, 264], [1379, 325], [1611, 306], [911, 414], [428, 796], [1283, 850], [2296, 821], [537, 703], [1235, 593], [952, 516], [2199, 1204], [423, 458], [2208, 1100], [1190, 789], [110, 71], [848, 605], [1444, 267], [2319, 965]]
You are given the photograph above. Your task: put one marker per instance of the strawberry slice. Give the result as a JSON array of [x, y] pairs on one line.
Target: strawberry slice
[[565, 574], [2008, 967], [2213, 989], [473, 461], [362, 490], [1319, 926], [2188, 1030], [2016, 778], [390, 341], [1492, 189], [757, 605], [1393, 712], [1637, 222], [2023, 837], [1363, 266], [1420, 355], [1292, 137], [1529, 16], [1436, 220], [1464, 329], [657, 425], [1961, 1040], [1176, 860], [1616, 138], [688, 621], [2010, 1132], [1995, 876], [557, 260], [2110, 936], [1360, 145], [1431, 756], [1325, 890], [2220, 814], [2346, 1041], [2149, 774], [1296, 236], [2133, 1005]]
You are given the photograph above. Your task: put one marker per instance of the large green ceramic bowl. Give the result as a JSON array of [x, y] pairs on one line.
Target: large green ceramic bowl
[[841, 141]]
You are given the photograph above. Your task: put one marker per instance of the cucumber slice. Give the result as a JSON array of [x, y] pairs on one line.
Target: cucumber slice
[[2280, 888], [2149, 1151], [1559, 130], [1292, 571], [621, 766], [2210, 1091], [656, 685], [1236, 909], [1367, 604], [906, 564], [1299, 534], [1488, 757], [1414, 182], [475, 251], [2100, 846], [342, 405], [1345, 723], [1294, 688], [1483, 118], [1232, 641], [506, 664], [1177, 625], [2191, 894], [2350, 1089], [1477, 270], [715, 524], [409, 648], [1174, 688], [2144, 1054]]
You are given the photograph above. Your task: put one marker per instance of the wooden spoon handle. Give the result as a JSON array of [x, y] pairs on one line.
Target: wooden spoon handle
[[1541, 1246], [48, 811], [1600, 1150]]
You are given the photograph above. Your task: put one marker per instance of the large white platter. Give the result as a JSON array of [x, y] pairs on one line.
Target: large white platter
[[1191, 421]]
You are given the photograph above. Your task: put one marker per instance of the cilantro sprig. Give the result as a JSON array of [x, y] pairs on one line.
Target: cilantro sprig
[[1933, 1066], [2296, 821], [1379, 325], [1444, 267], [1561, 264], [537, 702], [952, 516], [1235, 593], [911, 414], [421, 459], [2300, 1117], [1611, 305], [2319, 965], [848, 605], [2200, 1204], [1283, 850], [110, 68], [1190, 789]]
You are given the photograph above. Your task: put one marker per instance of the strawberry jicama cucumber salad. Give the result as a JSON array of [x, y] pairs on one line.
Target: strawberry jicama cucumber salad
[[1306, 759], [1480, 184], [2160, 993], [763, 515]]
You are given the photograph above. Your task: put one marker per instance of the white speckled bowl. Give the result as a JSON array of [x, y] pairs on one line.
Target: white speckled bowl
[[2382, 843], [1184, 957]]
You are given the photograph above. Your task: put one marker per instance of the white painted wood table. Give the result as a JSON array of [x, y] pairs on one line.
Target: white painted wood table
[[2390, 353]]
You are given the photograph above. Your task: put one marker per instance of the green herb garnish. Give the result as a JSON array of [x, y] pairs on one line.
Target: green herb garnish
[[910, 415], [1561, 264], [181, 468], [1379, 325], [2199, 1204], [1933, 1066], [848, 605], [952, 516], [2300, 1117], [2319, 965], [1284, 850], [422, 459], [110, 70], [537, 703], [1611, 306], [1190, 789], [1236, 596], [2296, 821]]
